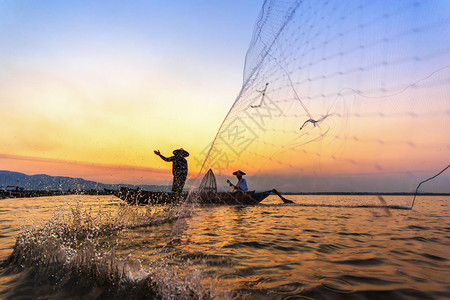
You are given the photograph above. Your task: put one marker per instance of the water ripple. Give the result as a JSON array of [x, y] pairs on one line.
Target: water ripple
[[252, 244], [368, 280], [294, 288], [361, 262], [336, 285], [328, 248], [433, 257]]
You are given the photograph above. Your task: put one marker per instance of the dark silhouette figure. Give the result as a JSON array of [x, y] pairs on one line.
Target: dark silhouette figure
[[179, 168], [241, 186]]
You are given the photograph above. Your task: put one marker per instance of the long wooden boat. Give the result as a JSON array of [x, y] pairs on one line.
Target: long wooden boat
[[141, 197]]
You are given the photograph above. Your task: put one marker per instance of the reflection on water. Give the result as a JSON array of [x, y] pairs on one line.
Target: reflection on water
[[95, 247]]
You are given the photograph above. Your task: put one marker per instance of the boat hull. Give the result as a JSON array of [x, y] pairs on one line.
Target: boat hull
[[140, 197]]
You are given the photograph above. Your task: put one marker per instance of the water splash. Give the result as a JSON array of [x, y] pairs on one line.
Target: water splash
[[82, 250]]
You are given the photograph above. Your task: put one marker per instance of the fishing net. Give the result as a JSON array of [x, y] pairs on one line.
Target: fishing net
[[208, 184], [341, 97]]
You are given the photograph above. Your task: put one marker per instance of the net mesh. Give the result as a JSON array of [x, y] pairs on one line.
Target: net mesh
[[208, 184], [341, 97]]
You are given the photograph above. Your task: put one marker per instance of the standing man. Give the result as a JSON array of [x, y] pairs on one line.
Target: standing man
[[179, 168]]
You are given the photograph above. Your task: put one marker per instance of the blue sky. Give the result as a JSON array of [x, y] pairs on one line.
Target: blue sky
[[195, 29]]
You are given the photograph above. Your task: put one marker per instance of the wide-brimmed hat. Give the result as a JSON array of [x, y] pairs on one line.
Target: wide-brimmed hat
[[183, 152], [238, 172]]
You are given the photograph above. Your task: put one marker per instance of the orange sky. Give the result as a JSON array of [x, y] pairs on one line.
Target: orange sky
[[85, 94], [89, 171]]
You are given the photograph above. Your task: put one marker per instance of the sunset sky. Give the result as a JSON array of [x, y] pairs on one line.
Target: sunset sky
[[90, 88]]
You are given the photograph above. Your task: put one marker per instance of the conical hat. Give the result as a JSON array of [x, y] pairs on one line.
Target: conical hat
[[183, 152], [238, 172]]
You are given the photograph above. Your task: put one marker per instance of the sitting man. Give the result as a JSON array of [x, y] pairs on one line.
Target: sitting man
[[241, 186]]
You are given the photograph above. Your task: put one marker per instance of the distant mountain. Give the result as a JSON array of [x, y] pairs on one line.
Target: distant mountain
[[44, 182]]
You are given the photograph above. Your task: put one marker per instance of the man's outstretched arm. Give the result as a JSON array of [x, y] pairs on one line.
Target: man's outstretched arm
[[162, 156]]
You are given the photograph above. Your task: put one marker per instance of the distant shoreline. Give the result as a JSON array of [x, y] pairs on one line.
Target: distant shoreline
[[33, 194], [368, 194]]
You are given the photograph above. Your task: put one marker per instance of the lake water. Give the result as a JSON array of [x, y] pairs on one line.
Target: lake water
[[94, 247]]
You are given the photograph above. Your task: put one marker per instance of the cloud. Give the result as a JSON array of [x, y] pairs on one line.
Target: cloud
[[104, 173]]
